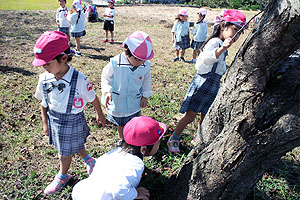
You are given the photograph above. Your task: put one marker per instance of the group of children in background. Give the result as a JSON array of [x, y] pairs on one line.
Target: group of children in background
[[125, 86]]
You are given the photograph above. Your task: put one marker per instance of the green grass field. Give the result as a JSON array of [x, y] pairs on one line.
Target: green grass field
[[31, 4]]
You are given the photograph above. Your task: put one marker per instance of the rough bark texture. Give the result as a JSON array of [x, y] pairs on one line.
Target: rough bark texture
[[255, 118]]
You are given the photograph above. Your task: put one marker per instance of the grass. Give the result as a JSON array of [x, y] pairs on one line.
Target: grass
[[31, 4], [28, 163]]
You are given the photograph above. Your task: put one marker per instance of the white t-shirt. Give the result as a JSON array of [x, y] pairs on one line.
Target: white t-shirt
[[115, 177], [76, 27], [61, 16], [84, 92], [207, 58], [111, 12]]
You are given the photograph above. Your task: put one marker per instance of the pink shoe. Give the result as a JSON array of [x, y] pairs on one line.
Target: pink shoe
[[56, 185], [106, 40], [90, 164], [112, 41], [173, 146]]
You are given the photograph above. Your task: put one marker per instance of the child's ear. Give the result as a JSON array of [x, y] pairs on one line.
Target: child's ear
[[143, 149], [64, 58]]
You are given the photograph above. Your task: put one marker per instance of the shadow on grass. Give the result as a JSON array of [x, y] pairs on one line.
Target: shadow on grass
[[7, 69], [98, 57], [93, 48]]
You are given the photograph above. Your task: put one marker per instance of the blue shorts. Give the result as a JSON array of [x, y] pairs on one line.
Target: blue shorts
[[65, 30]]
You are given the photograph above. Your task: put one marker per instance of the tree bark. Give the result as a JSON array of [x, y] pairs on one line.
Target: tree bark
[[255, 118]]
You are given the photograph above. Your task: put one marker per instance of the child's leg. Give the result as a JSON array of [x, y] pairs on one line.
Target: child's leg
[[88, 160], [197, 53], [77, 39], [183, 122], [120, 131], [194, 54], [65, 162], [111, 35], [177, 53], [200, 121], [182, 52], [68, 35], [106, 34]]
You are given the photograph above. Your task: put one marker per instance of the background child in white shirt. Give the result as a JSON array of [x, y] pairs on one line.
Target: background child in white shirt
[[61, 18], [117, 173], [108, 25], [126, 80], [199, 32], [63, 92]]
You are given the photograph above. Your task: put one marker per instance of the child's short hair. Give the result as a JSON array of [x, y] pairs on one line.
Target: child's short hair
[[135, 150], [67, 52]]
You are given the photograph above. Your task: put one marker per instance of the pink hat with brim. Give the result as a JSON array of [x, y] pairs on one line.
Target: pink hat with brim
[[140, 45], [49, 45], [202, 11], [142, 131], [111, 1], [183, 12], [236, 17]]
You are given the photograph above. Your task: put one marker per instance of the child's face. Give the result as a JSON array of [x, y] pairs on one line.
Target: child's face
[[62, 3], [55, 67], [229, 32], [109, 4], [200, 17], [134, 61], [183, 18]]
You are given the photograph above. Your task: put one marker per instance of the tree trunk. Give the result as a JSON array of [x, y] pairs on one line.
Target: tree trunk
[[255, 118]]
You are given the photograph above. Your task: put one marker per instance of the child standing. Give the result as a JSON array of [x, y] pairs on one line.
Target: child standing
[[210, 66], [77, 18], [180, 34], [199, 33], [118, 172], [109, 21], [63, 92], [126, 80], [61, 18]]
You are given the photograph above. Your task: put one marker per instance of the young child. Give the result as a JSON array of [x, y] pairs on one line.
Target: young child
[[199, 33], [217, 21], [77, 18], [126, 80], [109, 21], [210, 66], [180, 34], [61, 18], [118, 172], [63, 92]]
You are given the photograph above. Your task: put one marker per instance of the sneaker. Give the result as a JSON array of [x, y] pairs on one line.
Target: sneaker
[[77, 53], [70, 44], [120, 142], [175, 59], [56, 185], [90, 164], [192, 61], [111, 41], [106, 40], [173, 146], [182, 59]]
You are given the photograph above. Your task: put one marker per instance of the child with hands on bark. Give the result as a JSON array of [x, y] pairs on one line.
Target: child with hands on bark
[[117, 173], [63, 92], [210, 66], [126, 81]]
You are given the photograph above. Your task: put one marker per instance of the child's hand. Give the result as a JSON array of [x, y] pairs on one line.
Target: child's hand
[[46, 129], [101, 119], [58, 25], [144, 102], [108, 98], [143, 193], [227, 43]]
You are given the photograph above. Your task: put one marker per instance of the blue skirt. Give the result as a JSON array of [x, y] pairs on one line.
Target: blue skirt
[[65, 30], [67, 132], [78, 34], [201, 93], [121, 121], [184, 43], [196, 45]]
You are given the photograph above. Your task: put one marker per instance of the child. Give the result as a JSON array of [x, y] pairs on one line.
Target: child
[[217, 21], [63, 92], [210, 66], [180, 34], [77, 18], [199, 32], [118, 172], [61, 18], [109, 21], [126, 80]]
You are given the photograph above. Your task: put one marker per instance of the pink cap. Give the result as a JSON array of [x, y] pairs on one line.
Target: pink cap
[[140, 45], [234, 16], [111, 1], [202, 11], [141, 131], [49, 45], [183, 12], [77, 4]]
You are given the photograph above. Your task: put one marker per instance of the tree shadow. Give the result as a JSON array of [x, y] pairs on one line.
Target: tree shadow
[[93, 48], [8, 69], [98, 57]]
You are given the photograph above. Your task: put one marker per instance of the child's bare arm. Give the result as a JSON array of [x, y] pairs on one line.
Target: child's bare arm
[[101, 118], [143, 193], [44, 120], [227, 43], [144, 102]]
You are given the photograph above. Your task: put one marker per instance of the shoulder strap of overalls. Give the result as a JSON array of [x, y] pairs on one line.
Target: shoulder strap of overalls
[[72, 90], [45, 92]]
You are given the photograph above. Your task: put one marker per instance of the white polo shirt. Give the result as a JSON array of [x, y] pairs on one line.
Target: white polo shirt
[[115, 177], [61, 16], [84, 92], [109, 11]]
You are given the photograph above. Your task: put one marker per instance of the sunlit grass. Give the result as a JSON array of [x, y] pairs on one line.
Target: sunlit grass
[[31, 4]]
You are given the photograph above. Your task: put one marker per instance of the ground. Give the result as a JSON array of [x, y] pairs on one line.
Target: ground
[[27, 162]]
